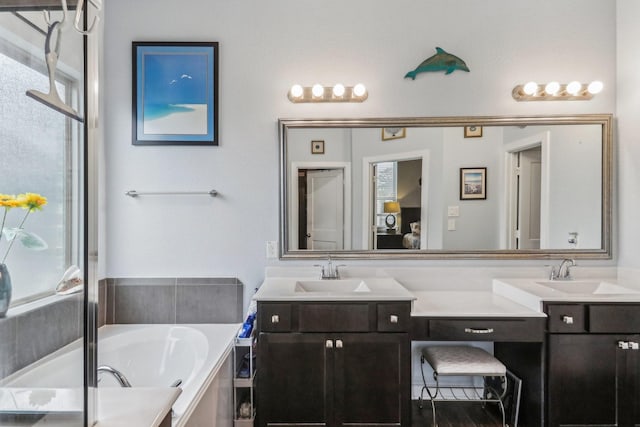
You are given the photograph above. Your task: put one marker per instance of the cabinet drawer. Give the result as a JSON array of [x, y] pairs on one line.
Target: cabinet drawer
[[332, 317], [274, 317], [394, 317], [619, 318], [566, 318], [524, 330]]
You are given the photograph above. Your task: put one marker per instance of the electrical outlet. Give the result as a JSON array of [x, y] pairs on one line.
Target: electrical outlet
[[272, 249]]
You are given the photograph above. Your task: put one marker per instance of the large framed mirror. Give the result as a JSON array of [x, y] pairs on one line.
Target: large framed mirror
[[446, 187]]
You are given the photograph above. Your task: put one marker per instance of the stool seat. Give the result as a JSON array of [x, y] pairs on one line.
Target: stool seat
[[463, 360]]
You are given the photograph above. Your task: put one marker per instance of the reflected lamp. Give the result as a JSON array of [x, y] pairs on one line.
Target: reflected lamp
[[392, 208]]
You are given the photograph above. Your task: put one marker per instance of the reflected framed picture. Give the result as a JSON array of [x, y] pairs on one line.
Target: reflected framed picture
[[175, 93], [473, 131], [317, 147], [473, 183], [393, 133]]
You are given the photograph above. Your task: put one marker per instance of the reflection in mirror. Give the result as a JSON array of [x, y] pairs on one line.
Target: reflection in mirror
[[512, 186]]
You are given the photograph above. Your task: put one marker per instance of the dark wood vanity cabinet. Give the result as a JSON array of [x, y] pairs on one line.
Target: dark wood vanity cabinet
[[334, 364], [593, 364]]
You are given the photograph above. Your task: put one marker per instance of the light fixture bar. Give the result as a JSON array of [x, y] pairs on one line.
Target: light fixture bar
[[337, 93], [554, 91]]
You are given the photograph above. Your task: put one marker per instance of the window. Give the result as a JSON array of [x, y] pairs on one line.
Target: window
[[386, 188], [39, 153]]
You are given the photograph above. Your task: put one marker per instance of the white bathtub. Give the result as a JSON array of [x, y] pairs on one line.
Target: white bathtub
[[152, 356]]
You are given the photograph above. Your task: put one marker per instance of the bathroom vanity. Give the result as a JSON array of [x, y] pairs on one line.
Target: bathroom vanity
[[593, 372], [335, 352], [592, 355], [336, 356]]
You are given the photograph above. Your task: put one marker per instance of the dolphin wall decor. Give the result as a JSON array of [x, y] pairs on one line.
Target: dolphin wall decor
[[441, 61]]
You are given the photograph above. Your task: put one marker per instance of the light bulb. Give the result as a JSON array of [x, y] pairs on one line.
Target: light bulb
[[552, 88], [595, 87], [530, 88], [296, 91], [317, 90], [359, 89], [574, 88], [338, 90]]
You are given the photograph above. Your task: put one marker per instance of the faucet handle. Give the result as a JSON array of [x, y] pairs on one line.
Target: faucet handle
[[322, 273], [337, 269]]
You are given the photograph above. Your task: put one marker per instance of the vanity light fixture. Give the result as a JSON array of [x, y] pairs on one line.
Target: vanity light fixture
[[554, 91], [336, 93]]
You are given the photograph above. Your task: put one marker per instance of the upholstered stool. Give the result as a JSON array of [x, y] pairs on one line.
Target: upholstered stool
[[462, 360]]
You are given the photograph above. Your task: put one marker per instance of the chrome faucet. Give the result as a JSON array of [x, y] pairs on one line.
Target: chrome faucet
[[119, 376], [563, 272], [331, 272]]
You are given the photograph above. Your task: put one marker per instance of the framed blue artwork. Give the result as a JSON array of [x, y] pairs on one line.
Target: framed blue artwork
[[175, 93]]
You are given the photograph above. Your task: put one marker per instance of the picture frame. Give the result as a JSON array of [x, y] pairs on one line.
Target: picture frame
[[473, 131], [473, 183], [175, 93], [317, 147], [393, 133]]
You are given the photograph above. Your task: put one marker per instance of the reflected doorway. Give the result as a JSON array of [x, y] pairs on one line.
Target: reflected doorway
[[395, 186], [528, 188], [321, 209], [528, 195]]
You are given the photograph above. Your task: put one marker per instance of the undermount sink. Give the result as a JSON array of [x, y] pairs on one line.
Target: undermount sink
[[332, 286], [587, 287]]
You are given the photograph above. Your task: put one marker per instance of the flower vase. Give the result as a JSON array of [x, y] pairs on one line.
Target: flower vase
[[5, 290]]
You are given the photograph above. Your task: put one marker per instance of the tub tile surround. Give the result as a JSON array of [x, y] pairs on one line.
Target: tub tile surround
[[29, 334], [170, 300]]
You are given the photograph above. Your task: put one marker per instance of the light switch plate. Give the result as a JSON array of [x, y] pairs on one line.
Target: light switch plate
[[453, 211], [451, 224]]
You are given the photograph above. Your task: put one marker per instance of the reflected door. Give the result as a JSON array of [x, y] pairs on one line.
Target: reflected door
[[529, 187], [325, 209]]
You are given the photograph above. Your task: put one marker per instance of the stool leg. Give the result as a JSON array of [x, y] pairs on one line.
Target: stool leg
[[426, 388]]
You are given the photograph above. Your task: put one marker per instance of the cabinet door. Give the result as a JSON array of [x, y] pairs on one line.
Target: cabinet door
[[629, 383], [372, 374], [582, 379], [295, 379]]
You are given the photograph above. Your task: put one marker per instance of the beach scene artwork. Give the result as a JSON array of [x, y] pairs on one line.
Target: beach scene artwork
[[175, 94], [473, 183]]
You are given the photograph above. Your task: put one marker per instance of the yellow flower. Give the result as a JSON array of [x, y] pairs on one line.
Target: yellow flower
[[32, 201], [9, 201]]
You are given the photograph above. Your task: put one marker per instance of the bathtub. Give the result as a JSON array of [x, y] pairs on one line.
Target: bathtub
[[153, 356]]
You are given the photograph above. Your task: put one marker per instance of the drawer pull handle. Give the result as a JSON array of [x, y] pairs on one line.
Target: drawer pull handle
[[634, 345], [567, 319], [328, 344], [338, 343], [478, 331], [393, 318], [624, 345], [275, 319]]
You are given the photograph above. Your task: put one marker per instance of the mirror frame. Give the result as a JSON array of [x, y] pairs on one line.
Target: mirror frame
[[605, 120]]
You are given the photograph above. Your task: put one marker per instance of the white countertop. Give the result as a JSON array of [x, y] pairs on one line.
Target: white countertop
[[345, 289], [146, 407], [533, 292], [468, 304]]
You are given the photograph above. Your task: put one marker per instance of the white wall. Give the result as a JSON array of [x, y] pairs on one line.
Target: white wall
[[267, 46], [628, 129]]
